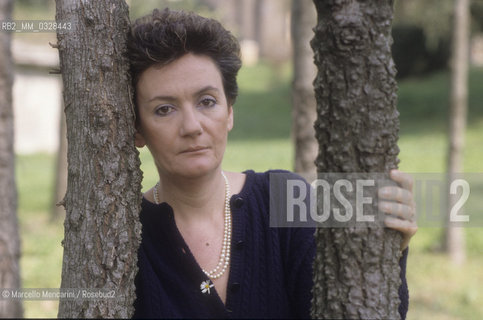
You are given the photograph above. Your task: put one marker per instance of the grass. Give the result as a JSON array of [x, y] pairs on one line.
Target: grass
[[261, 141]]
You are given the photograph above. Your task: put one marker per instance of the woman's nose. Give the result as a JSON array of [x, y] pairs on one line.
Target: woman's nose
[[190, 123]]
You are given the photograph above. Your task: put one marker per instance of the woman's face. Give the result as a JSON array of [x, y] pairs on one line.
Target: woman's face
[[184, 117]]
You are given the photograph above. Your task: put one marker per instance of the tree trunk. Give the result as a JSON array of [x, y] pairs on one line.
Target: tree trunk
[[303, 99], [356, 270], [102, 230], [454, 242], [9, 237]]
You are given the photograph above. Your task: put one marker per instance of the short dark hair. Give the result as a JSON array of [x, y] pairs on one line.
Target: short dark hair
[[164, 36]]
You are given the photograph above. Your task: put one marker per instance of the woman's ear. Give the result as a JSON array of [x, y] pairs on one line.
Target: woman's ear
[[139, 139]]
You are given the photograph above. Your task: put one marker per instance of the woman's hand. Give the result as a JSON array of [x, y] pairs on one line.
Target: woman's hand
[[399, 204]]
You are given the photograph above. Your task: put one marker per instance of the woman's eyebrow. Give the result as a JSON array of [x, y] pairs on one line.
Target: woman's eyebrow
[[197, 93], [165, 98], [206, 88]]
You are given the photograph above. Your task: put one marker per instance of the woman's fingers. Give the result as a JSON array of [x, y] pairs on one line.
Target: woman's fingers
[[404, 179], [400, 210], [396, 194], [398, 203], [407, 227]]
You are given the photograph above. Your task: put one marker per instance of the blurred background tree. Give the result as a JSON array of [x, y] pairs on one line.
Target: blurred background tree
[[9, 231], [304, 18], [454, 237]]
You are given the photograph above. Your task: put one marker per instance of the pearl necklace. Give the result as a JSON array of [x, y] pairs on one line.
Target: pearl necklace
[[224, 261]]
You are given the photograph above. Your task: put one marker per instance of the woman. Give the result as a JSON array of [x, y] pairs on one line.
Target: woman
[[207, 249]]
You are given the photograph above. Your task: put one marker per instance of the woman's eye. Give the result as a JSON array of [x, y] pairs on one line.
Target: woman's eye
[[208, 102], [163, 110]]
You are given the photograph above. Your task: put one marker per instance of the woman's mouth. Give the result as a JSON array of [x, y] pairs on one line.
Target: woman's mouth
[[194, 149]]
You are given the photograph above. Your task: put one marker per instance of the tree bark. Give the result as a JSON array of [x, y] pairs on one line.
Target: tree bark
[[303, 98], [9, 236], [356, 270], [102, 229], [454, 241]]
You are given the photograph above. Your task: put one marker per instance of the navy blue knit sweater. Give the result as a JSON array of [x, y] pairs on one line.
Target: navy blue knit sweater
[[270, 271]]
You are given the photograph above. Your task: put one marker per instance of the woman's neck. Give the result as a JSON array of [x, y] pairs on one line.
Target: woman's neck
[[194, 199]]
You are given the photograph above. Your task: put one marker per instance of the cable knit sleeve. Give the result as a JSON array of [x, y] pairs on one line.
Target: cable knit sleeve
[[300, 279]]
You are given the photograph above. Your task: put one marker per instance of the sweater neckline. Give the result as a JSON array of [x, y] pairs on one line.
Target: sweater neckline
[[244, 192]]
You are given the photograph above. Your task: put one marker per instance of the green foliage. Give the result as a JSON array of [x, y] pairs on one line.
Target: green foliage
[[476, 9], [438, 290], [422, 32], [409, 49], [433, 16], [411, 52]]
